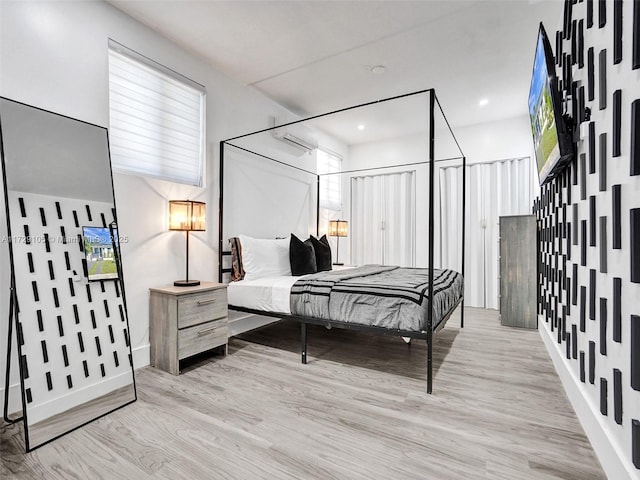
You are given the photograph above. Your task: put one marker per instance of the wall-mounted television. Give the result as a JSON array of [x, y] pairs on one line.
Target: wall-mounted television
[[551, 137], [100, 251]]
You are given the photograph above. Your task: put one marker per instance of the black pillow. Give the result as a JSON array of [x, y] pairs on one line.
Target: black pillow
[[323, 252], [302, 257]]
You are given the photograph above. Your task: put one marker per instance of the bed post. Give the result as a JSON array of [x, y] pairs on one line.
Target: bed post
[[464, 199], [303, 341], [220, 215], [318, 205], [431, 235]]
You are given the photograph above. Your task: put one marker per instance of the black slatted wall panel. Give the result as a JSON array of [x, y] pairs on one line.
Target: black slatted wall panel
[[590, 215]]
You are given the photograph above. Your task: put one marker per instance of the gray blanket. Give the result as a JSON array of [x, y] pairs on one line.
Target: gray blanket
[[375, 295]]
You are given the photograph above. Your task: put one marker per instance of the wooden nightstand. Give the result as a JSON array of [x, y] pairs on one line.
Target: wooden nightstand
[[185, 321]]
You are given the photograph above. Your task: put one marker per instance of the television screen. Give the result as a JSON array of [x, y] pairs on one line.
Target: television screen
[[100, 245], [547, 125]]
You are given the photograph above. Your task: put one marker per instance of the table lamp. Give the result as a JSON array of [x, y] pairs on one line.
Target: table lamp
[[187, 216], [338, 228]]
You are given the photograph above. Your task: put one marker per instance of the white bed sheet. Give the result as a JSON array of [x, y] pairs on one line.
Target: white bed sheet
[[269, 294]]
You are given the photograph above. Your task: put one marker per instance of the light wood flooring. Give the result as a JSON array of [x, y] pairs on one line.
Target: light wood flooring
[[357, 410]]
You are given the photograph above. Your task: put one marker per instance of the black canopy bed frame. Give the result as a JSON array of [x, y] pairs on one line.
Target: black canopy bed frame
[[426, 334]]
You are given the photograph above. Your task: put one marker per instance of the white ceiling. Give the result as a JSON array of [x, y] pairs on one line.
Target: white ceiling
[[316, 56]]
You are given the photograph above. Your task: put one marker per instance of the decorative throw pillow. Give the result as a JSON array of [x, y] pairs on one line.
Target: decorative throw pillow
[[301, 256], [323, 252], [237, 272]]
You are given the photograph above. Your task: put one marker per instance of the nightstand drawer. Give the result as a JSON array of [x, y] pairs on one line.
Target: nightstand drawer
[[202, 337], [202, 307]]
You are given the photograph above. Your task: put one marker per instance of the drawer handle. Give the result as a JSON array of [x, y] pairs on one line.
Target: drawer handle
[[206, 302], [202, 333]]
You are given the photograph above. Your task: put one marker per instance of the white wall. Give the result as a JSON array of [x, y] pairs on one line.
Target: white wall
[[265, 199], [54, 55], [501, 140]]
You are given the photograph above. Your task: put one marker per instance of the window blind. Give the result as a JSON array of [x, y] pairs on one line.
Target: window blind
[[330, 185], [157, 119]]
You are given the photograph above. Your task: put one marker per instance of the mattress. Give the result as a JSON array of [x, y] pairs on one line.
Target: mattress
[[374, 295], [269, 294], [387, 297]]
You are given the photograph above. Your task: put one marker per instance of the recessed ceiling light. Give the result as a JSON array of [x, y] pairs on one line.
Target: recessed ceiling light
[[483, 102], [361, 127], [378, 69]]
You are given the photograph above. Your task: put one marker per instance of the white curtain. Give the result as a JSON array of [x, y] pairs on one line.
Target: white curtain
[[493, 190], [383, 219]]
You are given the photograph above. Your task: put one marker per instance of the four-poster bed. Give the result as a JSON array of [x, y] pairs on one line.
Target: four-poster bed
[[417, 291]]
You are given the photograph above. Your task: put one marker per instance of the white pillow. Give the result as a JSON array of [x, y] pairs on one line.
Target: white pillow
[[264, 257]]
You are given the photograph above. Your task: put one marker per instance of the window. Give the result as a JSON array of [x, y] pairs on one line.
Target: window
[[330, 185], [157, 119]]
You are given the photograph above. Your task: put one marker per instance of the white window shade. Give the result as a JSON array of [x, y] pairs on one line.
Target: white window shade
[[330, 185], [157, 119]]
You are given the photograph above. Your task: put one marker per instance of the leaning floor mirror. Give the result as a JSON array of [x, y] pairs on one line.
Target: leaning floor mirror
[[67, 312]]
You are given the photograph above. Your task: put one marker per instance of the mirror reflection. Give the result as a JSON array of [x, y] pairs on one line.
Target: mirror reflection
[[74, 352]]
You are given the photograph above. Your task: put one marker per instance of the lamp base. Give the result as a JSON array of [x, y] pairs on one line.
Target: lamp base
[[339, 264], [186, 283]]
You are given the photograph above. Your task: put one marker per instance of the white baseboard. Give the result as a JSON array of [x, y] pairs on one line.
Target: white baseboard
[[141, 356], [609, 454], [15, 404]]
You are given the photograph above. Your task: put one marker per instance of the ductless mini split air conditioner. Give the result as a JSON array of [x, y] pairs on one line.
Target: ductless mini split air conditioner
[[297, 136], [295, 141]]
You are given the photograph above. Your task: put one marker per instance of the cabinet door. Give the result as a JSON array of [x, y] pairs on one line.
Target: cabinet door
[[518, 271], [383, 219]]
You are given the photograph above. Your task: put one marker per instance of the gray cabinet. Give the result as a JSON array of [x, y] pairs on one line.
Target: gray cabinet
[[518, 271]]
